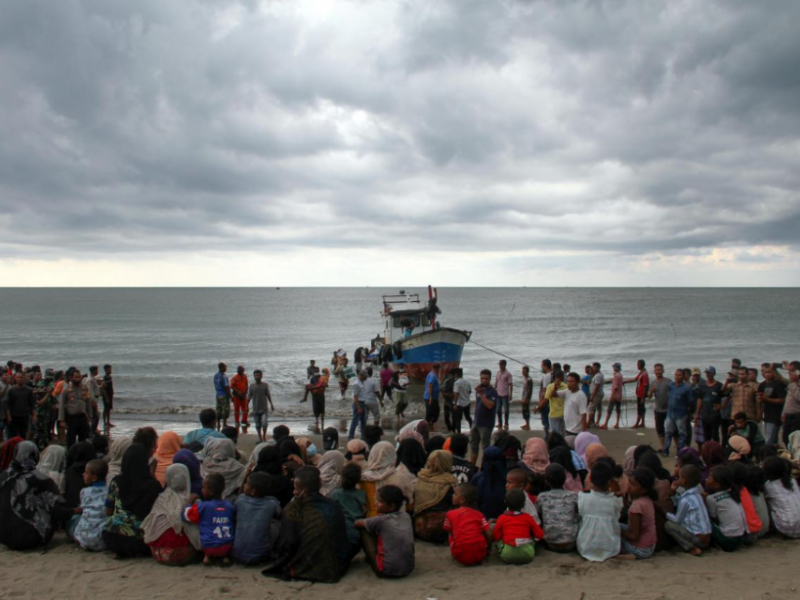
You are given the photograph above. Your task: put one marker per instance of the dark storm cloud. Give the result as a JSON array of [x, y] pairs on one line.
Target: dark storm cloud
[[169, 127]]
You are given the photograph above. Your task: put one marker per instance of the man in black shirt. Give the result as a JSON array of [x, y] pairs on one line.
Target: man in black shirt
[[709, 405], [108, 395], [462, 468], [19, 407], [771, 398]]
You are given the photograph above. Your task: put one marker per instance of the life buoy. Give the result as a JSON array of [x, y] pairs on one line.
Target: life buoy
[[398, 350]]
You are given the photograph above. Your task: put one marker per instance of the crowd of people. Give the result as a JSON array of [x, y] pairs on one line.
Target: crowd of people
[[303, 512]]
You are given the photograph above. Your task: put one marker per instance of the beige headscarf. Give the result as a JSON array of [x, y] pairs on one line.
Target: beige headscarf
[[168, 508], [330, 471], [115, 453], [434, 481], [221, 458]]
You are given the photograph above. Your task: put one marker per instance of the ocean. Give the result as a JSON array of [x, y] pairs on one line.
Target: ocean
[[165, 343]]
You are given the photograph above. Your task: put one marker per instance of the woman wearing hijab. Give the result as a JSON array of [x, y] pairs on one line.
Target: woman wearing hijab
[[27, 498], [7, 452], [411, 434], [330, 472], [510, 446], [269, 462], [536, 457], [289, 449], [168, 445], [433, 497], [380, 471], [77, 457], [738, 448], [115, 453], [189, 459], [357, 452], [562, 455], [221, 458], [582, 441], [131, 496], [52, 463], [491, 483], [664, 504], [172, 541], [411, 456]]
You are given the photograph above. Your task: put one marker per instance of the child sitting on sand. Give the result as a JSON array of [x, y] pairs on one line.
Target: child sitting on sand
[[689, 525], [783, 496], [388, 539], [599, 531], [89, 530], [517, 479], [515, 531], [728, 523], [558, 510], [639, 534], [353, 502], [214, 517], [470, 541], [255, 510]]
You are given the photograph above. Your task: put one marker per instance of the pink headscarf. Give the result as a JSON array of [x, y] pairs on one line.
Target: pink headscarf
[[536, 456], [582, 441]]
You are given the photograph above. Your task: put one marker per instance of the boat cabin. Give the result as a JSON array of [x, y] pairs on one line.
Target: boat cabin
[[402, 312]]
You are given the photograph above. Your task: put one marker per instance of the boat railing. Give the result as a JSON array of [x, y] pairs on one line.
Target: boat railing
[[397, 298]]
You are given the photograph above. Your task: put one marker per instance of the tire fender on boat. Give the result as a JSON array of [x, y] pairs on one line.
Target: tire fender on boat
[[398, 350]]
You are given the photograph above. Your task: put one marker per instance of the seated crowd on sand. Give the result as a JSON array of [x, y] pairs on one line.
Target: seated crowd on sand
[[302, 512]]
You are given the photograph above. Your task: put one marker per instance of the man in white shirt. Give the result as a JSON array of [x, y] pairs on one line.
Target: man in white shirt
[[575, 403], [365, 398], [596, 395], [462, 391]]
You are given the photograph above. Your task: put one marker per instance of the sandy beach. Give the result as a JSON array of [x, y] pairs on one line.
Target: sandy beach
[[762, 571]]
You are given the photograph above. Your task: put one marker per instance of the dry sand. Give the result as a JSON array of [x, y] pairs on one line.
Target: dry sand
[[763, 571]]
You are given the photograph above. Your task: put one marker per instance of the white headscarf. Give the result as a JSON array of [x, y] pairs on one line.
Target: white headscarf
[[52, 463], [169, 506]]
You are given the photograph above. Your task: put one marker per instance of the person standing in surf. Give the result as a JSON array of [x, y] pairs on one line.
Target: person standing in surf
[[503, 383], [431, 396], [527, 393], [222, 387], [642, 380]]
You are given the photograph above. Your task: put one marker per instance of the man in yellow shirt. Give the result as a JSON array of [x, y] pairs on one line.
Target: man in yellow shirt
[[555, 403]]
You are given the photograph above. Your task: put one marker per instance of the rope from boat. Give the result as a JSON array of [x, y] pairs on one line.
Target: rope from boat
[[524, 364]]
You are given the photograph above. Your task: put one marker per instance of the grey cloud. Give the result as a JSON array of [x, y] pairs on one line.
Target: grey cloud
[[622, 129]]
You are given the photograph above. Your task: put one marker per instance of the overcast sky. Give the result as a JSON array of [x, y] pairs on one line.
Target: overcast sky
[[399, 143]]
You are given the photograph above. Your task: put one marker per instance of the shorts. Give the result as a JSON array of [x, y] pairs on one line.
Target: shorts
[[596, 406], [480, 438], [318, 405], [557, 425], [240, 405], [661, 419], [473, 554], [515, 555], [374, 409], [218, 551], [261, 418], [223, 408], [614, 405], [639, 553], [108, 402]]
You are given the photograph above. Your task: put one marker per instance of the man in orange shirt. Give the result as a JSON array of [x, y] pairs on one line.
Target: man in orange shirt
[[239, 387]]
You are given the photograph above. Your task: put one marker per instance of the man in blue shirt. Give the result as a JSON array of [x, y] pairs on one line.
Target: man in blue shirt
[[222, 387], [680, 400], [208, 419], [431, 396], [486, 397]]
